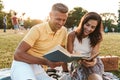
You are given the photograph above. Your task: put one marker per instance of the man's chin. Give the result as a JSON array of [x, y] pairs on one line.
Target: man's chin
[[58, 28]]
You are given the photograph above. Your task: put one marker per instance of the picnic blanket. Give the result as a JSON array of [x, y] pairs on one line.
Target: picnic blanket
[[5, 75]]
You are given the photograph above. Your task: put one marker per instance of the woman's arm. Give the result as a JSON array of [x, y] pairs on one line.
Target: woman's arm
[[91, 63], [95, 49], [70, 41]]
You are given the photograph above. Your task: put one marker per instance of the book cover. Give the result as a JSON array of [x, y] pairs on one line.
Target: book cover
[[60, 54]]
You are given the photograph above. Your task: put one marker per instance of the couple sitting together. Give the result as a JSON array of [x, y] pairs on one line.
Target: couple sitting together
[[28, 60]]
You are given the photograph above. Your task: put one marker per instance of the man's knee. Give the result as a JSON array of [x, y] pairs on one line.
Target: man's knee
[[94, 77]]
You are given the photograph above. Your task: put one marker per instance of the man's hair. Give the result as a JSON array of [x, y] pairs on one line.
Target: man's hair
[[60, 7]]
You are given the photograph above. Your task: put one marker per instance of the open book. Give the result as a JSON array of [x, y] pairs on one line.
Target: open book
[[60, 54]]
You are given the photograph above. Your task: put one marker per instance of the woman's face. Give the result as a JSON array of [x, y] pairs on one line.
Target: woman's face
[[89, 27]]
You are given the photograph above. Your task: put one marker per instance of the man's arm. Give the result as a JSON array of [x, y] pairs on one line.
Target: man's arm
[[22, 55]]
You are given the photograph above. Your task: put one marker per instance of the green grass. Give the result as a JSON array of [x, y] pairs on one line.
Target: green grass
[[9, 42], [110, 44]]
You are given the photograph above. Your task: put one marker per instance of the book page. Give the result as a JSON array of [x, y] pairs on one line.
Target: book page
[[64, 50], [92, 57], [60, 48]]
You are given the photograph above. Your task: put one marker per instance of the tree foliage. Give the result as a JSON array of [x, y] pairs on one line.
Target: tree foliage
[[74, 17], [1, 14], [31, 22], [1, 20], [1, 5], [109, 20]]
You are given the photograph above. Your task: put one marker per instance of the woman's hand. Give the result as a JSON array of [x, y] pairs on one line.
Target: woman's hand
[[87, 63]]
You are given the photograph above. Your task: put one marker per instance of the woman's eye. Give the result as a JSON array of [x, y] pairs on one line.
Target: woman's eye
[[87, 24]]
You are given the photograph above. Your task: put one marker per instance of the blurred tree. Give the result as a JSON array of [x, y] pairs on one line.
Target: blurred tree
[[1, 5], [118, 18], [1, 19], [31, 22], [1, 14], [28, 23], [10, 26], [74, 17], [109, 20]]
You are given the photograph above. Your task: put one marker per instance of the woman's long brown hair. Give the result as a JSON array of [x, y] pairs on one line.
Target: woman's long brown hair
[[96, 35]]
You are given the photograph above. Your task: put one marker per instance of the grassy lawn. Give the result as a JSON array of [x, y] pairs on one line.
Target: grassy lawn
[[110, 44], [9, 41]]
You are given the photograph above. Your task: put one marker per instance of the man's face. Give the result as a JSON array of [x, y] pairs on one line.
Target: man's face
[[58, 19]]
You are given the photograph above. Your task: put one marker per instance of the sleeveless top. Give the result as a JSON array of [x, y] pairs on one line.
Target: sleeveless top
[[83, 72], [82, 47]]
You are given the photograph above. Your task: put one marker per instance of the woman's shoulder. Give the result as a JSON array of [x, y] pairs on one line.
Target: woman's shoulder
[[71, 33]]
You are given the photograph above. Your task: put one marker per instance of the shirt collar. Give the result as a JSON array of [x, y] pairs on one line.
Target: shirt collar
[[49, 30]]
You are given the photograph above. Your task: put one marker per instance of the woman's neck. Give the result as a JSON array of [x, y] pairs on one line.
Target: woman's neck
[[84, 36]]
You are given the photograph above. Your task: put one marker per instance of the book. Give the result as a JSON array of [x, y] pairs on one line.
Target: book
[[92, 57], [60, 54]]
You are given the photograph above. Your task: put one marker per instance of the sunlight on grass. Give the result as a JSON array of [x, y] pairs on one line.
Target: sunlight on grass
[[111, 44], [8, 43]]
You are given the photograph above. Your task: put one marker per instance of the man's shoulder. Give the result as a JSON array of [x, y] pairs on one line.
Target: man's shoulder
[[64, 28]]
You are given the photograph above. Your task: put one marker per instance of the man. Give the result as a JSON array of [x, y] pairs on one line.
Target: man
[[28, 60], [21, 22], [14, 20], [5, 22]]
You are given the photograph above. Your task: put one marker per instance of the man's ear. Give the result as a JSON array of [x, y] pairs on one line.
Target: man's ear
[[50, 14]]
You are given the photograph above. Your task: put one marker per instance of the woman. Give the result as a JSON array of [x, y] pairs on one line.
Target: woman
[[86, 38]]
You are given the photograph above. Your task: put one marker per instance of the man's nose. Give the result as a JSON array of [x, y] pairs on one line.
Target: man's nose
[[61, 22]]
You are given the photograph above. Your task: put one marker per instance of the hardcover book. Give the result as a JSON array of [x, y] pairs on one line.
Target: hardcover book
[[60, 54]]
